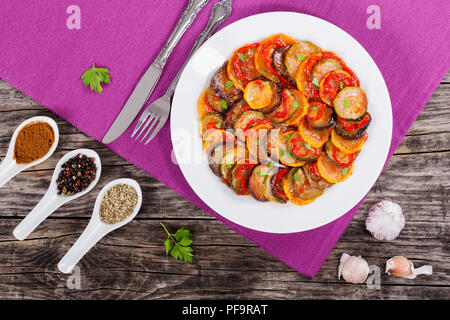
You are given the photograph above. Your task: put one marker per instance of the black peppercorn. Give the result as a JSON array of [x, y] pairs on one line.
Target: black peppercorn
[[76, 175]]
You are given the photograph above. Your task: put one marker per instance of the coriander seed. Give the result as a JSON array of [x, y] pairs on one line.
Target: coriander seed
[[118, 203]]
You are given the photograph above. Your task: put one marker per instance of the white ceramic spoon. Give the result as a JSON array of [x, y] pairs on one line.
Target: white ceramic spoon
[[97, 229], [52, 200], [9, 167]]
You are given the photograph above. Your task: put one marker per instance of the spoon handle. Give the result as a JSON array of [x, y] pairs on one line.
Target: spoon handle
[[48, 204], [90, 236], [8, 169]]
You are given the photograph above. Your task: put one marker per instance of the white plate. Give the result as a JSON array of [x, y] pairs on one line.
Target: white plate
[[268, 216]]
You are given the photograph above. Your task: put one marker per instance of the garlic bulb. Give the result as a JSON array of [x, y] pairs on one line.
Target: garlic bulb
[[353, 269], [402, 267], [385, 220]]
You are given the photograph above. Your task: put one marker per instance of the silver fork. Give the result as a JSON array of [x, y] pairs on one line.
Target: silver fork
[[157, 113]]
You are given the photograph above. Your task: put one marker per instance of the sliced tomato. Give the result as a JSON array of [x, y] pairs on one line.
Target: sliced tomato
[[285, 153], [264, 57], [346, 145], [314, 137], [323, 67], [331, 171]]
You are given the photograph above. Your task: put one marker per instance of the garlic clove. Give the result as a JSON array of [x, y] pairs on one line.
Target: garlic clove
[[385, 220], [353, 269], [401, 267]]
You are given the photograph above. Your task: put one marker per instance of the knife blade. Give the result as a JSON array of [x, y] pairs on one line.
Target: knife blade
[[134, 103], [145, 86]]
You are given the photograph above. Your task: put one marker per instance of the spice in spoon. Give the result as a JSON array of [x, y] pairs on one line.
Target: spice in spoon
[[76, 175], [33, 142], [118, 203]]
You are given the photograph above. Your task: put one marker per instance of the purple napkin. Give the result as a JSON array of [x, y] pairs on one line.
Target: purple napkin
[[40, 56]]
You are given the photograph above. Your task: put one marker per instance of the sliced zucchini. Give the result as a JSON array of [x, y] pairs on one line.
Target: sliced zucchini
[[303, 189], [219, 104], [217, 138], [350, 103], [296, 54], [319, 115], [353, 129], [331, 171], [231, 157], [262, 95], [314, 137], [240, 173], [235, 111], [301, 104], [284, 152], [313, 176], [292, 101], [321, 68], [209, 122], [256, 141], [268, 191], [293, 191], [346, 145], [244, 120], [256, 182], [299, 149], [338, 156]]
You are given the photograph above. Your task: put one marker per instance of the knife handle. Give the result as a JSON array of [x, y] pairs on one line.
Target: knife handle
[[219, 13], [186, 19]]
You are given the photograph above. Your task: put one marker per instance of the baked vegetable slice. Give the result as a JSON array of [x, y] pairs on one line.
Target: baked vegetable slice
[[240, 173], [246, 120], [314, 137], [233, 113], [332, 83], [292, 107], [263, 95], [241, 67], [267, 191], [313, 176], [321, 68], [279, 57], [319, 115], [223, 86], [298, 189], [299, 149], [209, 122], [239, 155], [331, 171], [215, 159], [276, 183], [256, 141], [346, 145], [350, 103], [219, 104], [286, 143], [264, 57], [353, 129], [217, 138], [256, 182], [203, 106], [296, 54], [339, 157]]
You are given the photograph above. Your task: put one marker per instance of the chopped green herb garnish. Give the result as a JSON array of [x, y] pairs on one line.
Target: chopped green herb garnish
[[296, 176], [346, 103], [308, 146], [281, 153], [262, 173], [178, 244], [228, 165], [219, 125], [93, 77], [345, 171], [341, 85], [270, 163], [295, 104], [300, 57], [228, 84], [287, 137], [224, 104], [263, 72], [314, 108], [266, 83], [241, 56], [315, 82]]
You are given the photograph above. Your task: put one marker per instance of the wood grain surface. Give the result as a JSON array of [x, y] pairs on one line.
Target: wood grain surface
[[130, 263]]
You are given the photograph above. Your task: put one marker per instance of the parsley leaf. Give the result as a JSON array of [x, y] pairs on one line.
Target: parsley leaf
[[315, 82], [300, 57], [344, 171], [228, 84], [93, 77], [224, 104], [308, 146], [178, 244], [346, 103], [296, 177], [341, 85], [281, 153], [295, 104], [241, 56]]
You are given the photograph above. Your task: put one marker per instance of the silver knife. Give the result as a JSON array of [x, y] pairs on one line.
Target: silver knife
[[145, 86]]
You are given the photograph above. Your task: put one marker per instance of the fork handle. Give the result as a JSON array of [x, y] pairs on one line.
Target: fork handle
[[186, 19], [219, 13]]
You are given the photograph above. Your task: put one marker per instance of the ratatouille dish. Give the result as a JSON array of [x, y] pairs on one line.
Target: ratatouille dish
[[283, 120]]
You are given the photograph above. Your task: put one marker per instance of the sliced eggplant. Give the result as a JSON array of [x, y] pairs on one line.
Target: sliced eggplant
[[215, 159], [256, 182], [268, 192], [235, 111], [244, 120], [303, 189], [210, 121], [299, 149], [320, 116], [223, 86], [239, 175], [350, 103], [314, 137], [219, 104], [353, 129], [331, 171], [279, 57]]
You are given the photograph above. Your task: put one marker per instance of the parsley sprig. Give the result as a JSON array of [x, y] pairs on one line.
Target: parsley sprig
[[93, 77], [178, 244]]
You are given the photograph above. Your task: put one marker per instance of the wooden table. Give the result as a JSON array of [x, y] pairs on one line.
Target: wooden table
[[131, 263]]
